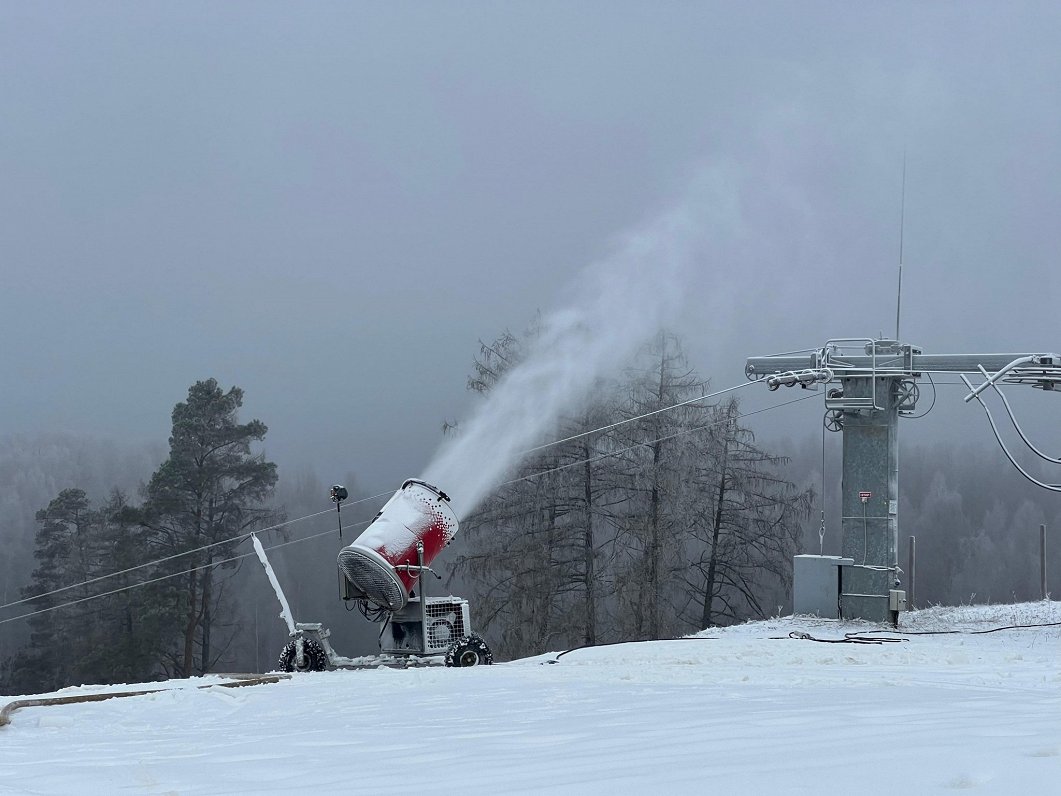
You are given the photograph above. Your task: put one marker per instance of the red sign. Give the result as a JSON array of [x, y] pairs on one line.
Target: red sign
[[864, 496]]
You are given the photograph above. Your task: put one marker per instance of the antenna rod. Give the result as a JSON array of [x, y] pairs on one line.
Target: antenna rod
[[902, 219]]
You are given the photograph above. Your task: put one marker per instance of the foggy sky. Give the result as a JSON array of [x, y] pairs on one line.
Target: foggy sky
[[328, 204]]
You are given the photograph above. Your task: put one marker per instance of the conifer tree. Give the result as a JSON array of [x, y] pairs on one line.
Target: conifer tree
[[57, 637], [212, 488]]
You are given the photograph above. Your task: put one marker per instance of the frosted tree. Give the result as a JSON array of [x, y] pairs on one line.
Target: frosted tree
[[588, 495], [747, 522], [633, 532], [533, 549], [657, 471]]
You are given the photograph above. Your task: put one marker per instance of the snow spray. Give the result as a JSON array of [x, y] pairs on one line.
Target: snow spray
[[616, 306], [411, 529]]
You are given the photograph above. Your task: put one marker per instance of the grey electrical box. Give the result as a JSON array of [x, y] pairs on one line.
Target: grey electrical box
[[816, 582], [897, 600]]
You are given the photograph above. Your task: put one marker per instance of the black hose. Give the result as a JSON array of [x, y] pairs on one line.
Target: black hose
[[633, 641]]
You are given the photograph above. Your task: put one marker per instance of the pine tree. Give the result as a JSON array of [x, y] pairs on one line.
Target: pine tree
[[134, 619], [211, 489], [57, 637], [85, 633]]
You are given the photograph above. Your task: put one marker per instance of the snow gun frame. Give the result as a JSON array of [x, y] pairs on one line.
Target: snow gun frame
[[425, 631]]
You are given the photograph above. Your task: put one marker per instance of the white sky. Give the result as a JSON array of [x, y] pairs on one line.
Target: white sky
[[329, 204]]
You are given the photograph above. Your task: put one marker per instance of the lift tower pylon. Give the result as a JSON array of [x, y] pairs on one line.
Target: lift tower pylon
[[869, 385]]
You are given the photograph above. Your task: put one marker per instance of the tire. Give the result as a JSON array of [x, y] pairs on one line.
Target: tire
[[469, 651], [315, 660]]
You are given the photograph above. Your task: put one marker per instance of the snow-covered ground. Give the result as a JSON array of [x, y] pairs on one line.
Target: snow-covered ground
[[742, 712]]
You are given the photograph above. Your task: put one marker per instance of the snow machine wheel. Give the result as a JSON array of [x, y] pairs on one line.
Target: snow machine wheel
[[312, 655], [469, 651]]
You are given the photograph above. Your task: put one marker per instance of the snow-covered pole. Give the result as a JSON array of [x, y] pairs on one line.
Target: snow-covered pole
[[1042, 563], [285, 609]]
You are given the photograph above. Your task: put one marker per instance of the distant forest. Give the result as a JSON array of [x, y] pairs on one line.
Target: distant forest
[[673, 522]]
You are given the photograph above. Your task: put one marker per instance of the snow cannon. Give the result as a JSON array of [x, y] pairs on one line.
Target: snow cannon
[[383, 564]]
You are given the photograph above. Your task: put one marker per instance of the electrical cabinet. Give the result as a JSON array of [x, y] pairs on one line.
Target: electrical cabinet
[[816, 585]]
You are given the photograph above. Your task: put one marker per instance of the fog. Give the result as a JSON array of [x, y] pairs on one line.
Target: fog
[[330, 205]]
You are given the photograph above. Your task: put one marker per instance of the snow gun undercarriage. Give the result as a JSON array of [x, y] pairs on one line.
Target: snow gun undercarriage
[[378, 571]]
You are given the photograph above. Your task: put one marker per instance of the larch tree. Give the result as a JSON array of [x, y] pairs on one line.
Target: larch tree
[[633, 531], [659, 462], [505, 545], [532, 550], [748, 522]]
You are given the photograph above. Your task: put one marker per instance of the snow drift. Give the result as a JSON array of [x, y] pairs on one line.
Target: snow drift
[[745, 710]]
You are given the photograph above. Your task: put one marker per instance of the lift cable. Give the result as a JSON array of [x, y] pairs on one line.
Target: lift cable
[[239, 538], [610, 454], [164, 577], [639, 417], [317, 535], [244, 536]]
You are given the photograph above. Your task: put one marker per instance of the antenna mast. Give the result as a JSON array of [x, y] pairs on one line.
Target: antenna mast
[[902, 219]]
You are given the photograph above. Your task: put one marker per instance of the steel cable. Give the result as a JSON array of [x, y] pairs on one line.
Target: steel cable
[[239, 538], [581, 462]]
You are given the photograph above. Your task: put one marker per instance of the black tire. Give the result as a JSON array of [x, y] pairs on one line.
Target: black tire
[[312, 654], [469, 651]]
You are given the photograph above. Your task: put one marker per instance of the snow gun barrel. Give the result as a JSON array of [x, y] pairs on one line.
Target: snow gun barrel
[[382, 564]]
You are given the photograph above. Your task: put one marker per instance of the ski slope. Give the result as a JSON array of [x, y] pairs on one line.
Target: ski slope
[[747, 711]]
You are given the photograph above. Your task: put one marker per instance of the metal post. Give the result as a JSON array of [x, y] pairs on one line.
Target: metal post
[[877, 384], [1042, 561], [257, 644], [423, 597], [870, 497], [912, 579]]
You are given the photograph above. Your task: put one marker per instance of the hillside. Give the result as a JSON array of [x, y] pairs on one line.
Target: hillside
[[746, 709]]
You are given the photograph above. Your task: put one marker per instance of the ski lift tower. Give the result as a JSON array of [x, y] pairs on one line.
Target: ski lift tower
[[869, 385]]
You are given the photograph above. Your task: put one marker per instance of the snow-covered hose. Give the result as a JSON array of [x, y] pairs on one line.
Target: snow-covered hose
[[238, 680]]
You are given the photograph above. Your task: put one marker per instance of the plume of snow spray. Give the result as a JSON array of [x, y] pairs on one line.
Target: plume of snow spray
[[616, 305]]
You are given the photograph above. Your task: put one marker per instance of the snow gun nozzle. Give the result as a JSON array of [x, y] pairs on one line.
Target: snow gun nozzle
[[387, 559]]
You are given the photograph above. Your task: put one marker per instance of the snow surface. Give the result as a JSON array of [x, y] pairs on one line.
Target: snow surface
[[741, 712]]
